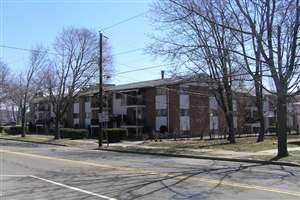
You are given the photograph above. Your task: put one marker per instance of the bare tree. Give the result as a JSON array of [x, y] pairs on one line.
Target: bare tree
[[4, 75], [264, 32], [37, 61], [22, 88], [73, 68], [204, 46], [251, 60], [275, 27]]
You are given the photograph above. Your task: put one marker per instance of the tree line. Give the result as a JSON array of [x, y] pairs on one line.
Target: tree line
[[234, 41], [59, 74]]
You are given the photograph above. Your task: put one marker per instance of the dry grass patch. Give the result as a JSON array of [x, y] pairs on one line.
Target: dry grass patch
[[247, 144]]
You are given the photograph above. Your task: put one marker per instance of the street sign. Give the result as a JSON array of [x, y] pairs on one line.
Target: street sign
[[103, 117]]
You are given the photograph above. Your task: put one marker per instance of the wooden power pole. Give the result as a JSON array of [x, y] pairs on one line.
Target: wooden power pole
[[100, 63]]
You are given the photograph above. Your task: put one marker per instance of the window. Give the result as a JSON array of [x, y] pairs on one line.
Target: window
[[161, 112], [123, 100], [184, 89], [184, 112], [87, 99], [161, 91], [213, 104], [118, 96], [88, 115]]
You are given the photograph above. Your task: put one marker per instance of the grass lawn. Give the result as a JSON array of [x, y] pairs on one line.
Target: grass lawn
[[37, 138], [247, 144], [49, 138]]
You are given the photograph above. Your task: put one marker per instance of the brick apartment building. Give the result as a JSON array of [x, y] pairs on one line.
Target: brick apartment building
[[185, 106]]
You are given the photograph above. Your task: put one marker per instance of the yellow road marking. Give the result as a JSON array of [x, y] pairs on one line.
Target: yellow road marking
[[174, 175]]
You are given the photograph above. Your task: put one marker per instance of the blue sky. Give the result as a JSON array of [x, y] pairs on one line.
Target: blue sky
[[26, 23]]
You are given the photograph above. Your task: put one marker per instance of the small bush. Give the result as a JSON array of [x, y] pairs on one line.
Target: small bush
[[148, 134], [163, 129], [73, 133], [31, 127], [1, 129], [13, 130], [115, 134]]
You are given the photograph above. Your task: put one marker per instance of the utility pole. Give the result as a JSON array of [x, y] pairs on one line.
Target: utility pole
[[100, 63]]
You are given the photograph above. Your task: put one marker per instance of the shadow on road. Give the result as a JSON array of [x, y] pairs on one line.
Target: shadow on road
[[176, 184]]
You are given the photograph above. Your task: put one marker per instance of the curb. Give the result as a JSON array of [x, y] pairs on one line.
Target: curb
[[280, 163], [35, 142]]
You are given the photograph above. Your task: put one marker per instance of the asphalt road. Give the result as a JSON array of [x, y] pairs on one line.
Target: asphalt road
[[32, 171]]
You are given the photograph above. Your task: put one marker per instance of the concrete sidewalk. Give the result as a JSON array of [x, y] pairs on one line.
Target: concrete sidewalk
[[213, 152]]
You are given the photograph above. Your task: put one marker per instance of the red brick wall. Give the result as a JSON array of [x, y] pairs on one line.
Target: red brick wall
[[149, 99], [199, 111], [173, 101]]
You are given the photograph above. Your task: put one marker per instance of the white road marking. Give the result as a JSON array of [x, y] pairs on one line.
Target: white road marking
[[13, 175], [73, 188]]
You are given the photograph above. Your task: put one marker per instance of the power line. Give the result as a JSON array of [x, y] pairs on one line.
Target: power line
[[126, 52], [123, 21], [28, 50], [144, 68], [53, 53]]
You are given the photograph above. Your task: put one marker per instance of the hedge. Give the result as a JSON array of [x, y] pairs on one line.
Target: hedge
[[115, 134], [13, 130], [73, 133]]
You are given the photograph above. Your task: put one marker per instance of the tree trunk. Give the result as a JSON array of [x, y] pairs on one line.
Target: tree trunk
[[231, 135], [229, 114], [57, 132], [281, 124], [259, 105], [23, 131]]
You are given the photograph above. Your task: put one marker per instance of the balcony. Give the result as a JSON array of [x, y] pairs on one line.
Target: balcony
[[43, 108], [95, 104], [135, 100], [94, 122]]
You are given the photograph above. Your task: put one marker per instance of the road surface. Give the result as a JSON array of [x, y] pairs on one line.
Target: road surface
[[34, 171]]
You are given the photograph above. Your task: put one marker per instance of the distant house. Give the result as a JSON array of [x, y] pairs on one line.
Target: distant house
[[6, 116], [41, 114]]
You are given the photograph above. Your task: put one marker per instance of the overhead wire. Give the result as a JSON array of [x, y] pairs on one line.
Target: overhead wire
[[123, 21]]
